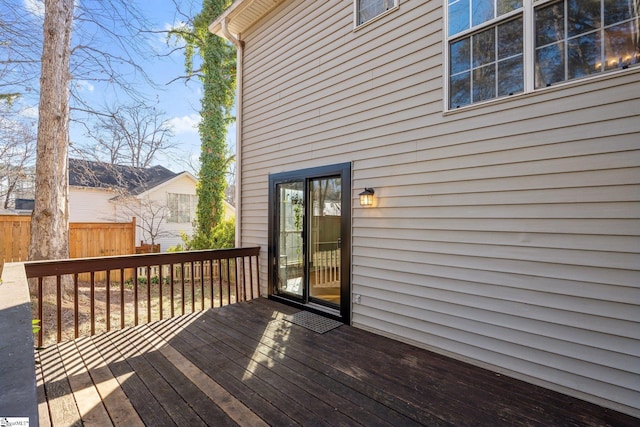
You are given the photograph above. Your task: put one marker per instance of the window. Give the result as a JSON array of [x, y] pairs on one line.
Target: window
[[366, 10], [181, 207], [569, 39]]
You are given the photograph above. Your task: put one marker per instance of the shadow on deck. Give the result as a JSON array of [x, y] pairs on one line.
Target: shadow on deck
[[244, 364]]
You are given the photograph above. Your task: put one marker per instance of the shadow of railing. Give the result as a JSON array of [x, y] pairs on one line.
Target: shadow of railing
[[85, 296]]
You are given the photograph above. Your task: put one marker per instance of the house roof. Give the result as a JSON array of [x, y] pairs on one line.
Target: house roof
[[85, 173], [242, 14]]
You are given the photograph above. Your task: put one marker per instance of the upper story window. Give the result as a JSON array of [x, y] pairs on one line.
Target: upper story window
[[181, 207], [569, 39], [366, 10]]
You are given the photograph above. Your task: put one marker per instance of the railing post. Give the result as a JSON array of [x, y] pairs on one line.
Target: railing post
[[108, 300], [212, 281], [182, 282], [148, 294], [76, 306], [220, 280], [172, 289], [122, 282], [258, 273], [59, 306], [93, 302], [193, 287], [201, 269], [135, 297], [40, 311], [160, 285]]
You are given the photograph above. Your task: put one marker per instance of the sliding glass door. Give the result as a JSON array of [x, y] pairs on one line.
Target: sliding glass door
[[309, 239]]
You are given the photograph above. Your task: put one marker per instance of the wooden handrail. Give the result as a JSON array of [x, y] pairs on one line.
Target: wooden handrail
[[85, 265], [195, 271]]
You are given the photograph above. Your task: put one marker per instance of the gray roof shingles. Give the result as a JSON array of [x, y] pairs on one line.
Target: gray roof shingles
[[86, 173]]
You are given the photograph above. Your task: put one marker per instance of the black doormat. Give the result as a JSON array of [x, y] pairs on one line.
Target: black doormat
[[312, 321]]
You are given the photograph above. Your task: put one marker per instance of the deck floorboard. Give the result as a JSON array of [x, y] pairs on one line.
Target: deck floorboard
[[244, 364]]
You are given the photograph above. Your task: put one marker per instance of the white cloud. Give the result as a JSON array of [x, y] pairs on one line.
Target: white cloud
[[35, 7], [30, 112], [84, 85], [185, 124]]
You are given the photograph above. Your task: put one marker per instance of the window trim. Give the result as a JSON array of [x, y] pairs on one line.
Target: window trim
[[528, 51], [356, 26]]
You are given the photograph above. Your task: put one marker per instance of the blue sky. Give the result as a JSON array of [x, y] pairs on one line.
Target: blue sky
[[179, 101]]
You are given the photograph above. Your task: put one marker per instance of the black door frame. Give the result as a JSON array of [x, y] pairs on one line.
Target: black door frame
[[344, 171]]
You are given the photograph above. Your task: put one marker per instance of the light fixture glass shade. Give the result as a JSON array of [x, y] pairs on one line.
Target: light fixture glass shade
[[366, 197]]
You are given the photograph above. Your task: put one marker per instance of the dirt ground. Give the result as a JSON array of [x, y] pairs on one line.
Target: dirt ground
[[193, 301]]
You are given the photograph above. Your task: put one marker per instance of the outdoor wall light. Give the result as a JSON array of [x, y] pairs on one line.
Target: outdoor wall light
[[366, 197]]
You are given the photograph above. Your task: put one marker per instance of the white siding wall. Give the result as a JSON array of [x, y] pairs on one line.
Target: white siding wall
[[506, 234], [91, 205]]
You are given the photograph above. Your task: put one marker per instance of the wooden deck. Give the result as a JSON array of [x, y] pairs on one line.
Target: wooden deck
[[244, 365]]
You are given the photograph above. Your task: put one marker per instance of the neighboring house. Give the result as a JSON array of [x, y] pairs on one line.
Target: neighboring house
[[17, 187], [162, 201], [503, 148]]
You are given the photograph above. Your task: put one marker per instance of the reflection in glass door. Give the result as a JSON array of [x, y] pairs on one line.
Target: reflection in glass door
[[290, 245], [324, 240]]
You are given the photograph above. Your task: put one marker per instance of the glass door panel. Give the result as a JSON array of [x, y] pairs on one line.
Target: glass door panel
[[325, 212], [290, 244]]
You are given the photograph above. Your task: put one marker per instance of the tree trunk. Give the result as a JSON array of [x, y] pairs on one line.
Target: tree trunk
[[50, 219]]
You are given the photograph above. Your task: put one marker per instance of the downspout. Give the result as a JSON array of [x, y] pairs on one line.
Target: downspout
[[239, 44]]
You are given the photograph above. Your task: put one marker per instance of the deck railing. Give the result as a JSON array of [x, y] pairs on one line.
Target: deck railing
[[86, 296]]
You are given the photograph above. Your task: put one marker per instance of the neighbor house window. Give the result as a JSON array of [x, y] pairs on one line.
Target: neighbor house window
[[489, 45], [366, 10], [181, 207]]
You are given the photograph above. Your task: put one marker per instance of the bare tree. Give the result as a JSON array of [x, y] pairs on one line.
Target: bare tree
[[17, 154], [106, 50], [150, 215], [130, 135], [109, 38], [19, 54]]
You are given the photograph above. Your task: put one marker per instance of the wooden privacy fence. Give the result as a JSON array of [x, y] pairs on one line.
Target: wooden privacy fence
[[86, 239], [15, 231]]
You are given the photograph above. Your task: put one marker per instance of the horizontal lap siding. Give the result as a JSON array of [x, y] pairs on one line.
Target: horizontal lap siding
[[506, 234], [90, 205]]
